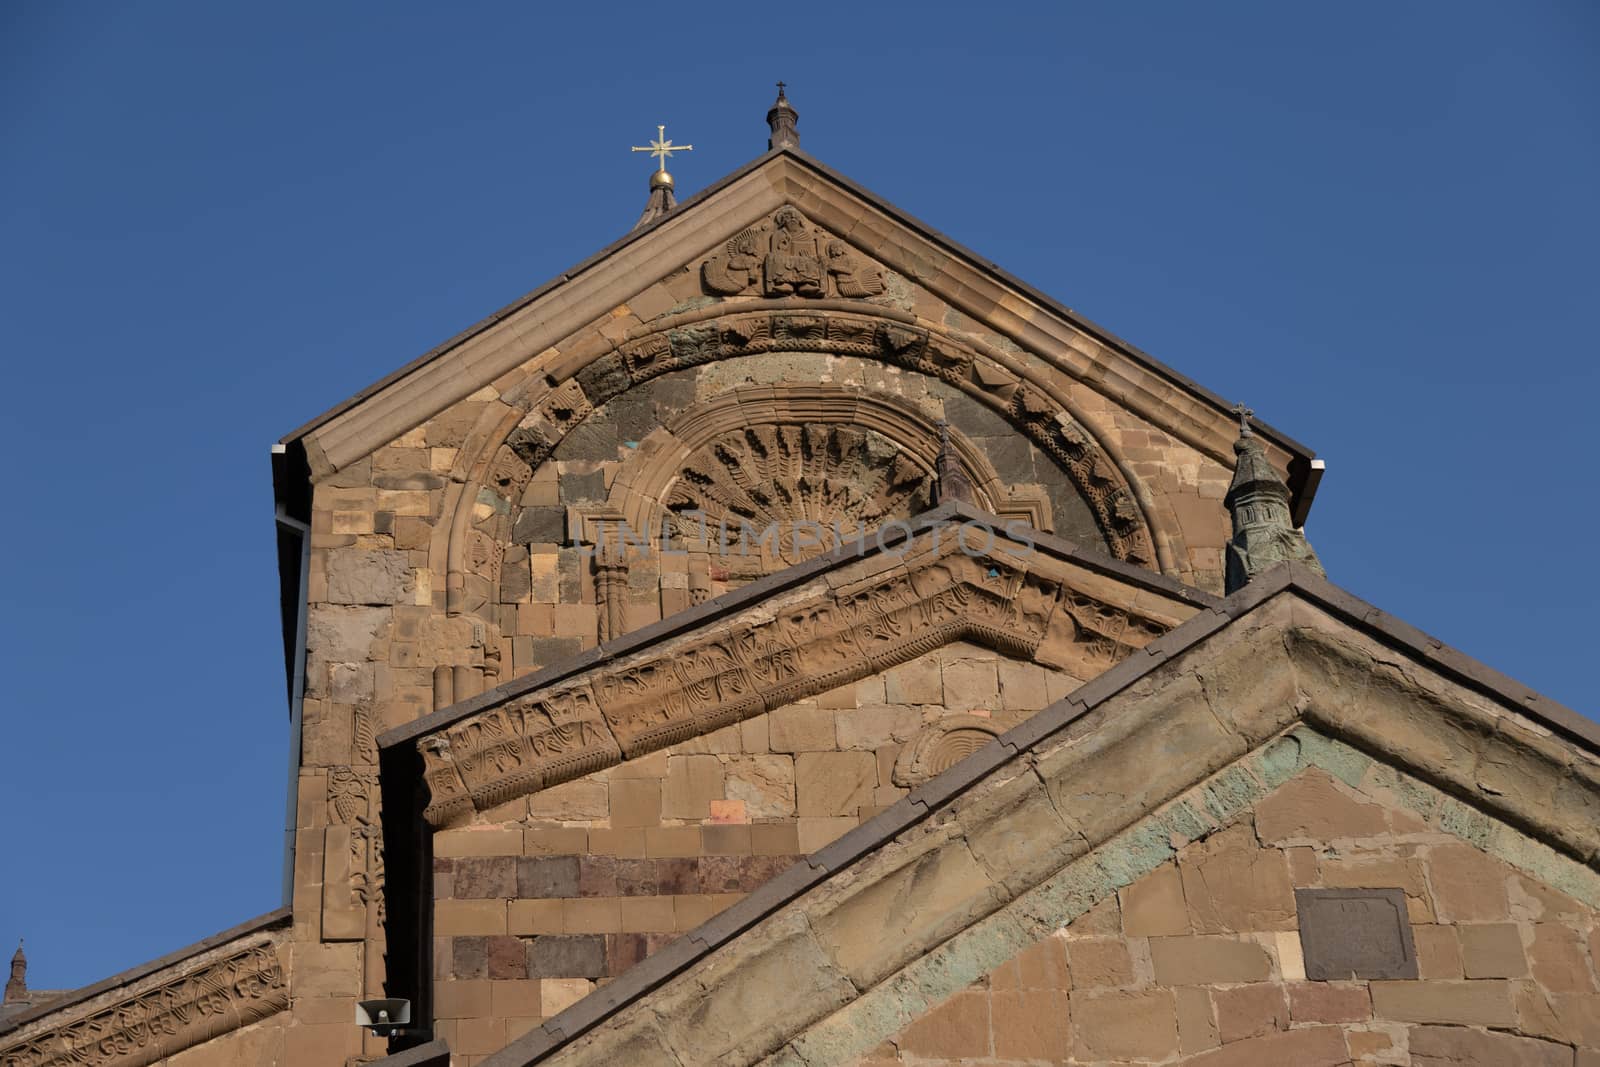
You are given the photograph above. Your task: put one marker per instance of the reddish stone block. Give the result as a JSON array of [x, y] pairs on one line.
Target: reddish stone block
[[507, 957], [1249, 1011], [1329, 1002]]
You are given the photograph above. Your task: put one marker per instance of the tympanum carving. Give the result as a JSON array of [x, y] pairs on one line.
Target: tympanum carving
[[786, 256]]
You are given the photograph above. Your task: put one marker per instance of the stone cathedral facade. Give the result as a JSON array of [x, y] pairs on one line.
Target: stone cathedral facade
[[786, 639]]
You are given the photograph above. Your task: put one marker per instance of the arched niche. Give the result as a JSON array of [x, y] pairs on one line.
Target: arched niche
[[547, 411]]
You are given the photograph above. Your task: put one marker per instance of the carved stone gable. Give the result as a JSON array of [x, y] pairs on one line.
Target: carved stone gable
[[787, 256]]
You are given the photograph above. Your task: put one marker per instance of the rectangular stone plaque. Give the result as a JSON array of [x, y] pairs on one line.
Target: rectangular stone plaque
[[1355, 933]]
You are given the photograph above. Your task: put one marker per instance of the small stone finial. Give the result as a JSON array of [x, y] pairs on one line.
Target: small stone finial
[[662, 198], [1244, 414], [782, 118], [17, 986], [1258, 502], [953, 483]]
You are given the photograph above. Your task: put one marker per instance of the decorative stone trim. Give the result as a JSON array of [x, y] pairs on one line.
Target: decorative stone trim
[[806, 647], [241, 988]]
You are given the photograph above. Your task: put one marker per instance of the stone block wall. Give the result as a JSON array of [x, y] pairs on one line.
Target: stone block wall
[[1201, 963], [444, 561], [553, 894]]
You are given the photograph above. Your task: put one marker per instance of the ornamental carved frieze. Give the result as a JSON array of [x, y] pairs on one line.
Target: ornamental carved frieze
[[208, 1001], [807, 647], [788, 256], [1026, 405]]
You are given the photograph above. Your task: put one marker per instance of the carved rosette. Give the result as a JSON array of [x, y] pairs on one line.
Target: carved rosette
[[942, 745], [237, 990], [541, 739], [804, 485]]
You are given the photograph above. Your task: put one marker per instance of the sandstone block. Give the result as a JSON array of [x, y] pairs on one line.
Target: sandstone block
[[801, 728], [913, 683], [368, 576], [971, 684], [1329, 1002], [1208, 960], [1468, 886], [873, 727], [1154, 905], [534, 917], [1197, 1027], [570, 801], [1124, 1025], [647, 915], [1484, 1003], [1030, 1025], [1022, 686], [461, 1000], [1248, 1011], [1558, 959], [775, 839], [815, 833], [591, 916], [478, 1037], [764, 782], [558, 994], [1312, 808], [636, 802], [458, 917], [1100, 962], [692, 783], [1455, 1046], [1492, 950], [1230, 884], [834, 783], [955, 1030], [1316, 1046], [668, 841], [1438, 951]]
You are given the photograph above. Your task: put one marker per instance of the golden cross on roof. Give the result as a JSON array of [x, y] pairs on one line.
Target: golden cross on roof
[[662, 148]]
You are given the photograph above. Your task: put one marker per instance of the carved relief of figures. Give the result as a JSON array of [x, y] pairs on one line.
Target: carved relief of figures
[[786, 257], [235, 991]]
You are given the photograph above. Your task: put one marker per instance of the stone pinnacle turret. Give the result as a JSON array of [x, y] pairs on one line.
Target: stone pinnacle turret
[[783, 118], [1258, 501], [17, 986], [953, 483]]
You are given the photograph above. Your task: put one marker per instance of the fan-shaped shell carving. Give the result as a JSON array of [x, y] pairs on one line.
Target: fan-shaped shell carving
[[942, 745], [775, 476]]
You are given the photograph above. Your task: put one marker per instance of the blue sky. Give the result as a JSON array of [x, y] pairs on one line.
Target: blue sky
[[1376, 223]]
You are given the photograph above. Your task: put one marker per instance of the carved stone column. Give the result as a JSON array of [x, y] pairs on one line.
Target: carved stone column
[[611, 592]]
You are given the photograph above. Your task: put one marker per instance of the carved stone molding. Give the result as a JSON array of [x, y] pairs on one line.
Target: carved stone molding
[[840, 328], [805, 647], [208, 1001], [944, 744], [788, 256]]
